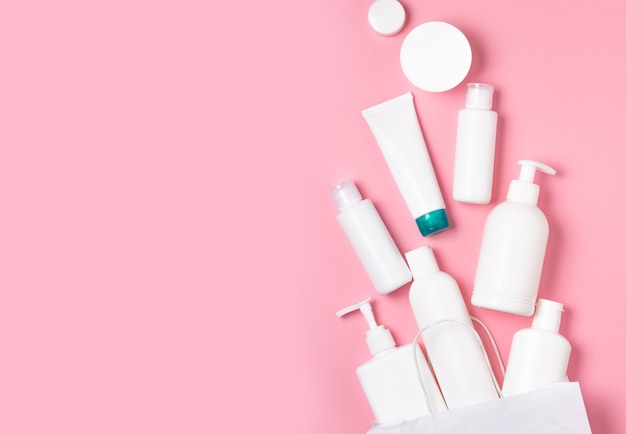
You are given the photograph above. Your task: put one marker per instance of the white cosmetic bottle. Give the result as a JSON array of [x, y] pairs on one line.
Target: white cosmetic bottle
[[539, 355], [397, 381], [452, 345], [475, 146], [370, 239], [513, 248]]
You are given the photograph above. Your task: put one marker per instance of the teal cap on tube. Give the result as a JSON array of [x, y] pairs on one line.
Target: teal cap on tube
[[433, 222]]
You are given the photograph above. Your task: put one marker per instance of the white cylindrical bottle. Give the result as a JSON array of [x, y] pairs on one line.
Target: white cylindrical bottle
[[539, 355], [370, 239], [454, 349], [475, 146], [513, 248], [397, 381]]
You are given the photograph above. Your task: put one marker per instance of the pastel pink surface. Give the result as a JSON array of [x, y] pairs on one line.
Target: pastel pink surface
[[170, 256]]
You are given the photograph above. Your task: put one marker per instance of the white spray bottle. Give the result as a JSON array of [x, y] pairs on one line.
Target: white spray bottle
[[370, 239], [539, 355], [513, 248], [397, 381], [452, 345]]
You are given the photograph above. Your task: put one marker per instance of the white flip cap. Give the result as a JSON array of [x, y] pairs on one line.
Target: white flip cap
[[479, 96]]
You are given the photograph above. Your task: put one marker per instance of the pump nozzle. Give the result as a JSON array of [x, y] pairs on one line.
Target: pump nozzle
[[529, 167], [366, 309], [378, 337], [524, 189]]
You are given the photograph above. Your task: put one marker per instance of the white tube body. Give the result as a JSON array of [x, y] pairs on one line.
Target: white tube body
[[537, 358], [396, 128], [391, 382], [454, 350], [511, 258], [374, 246], [474, 158]]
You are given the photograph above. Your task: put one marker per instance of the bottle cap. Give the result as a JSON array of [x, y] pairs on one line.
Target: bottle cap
[[346, 194], [422, 262], [386, 17], [524, 189], [548, 315], [433, 222], [378, 337], [479, 96], [435, 56]]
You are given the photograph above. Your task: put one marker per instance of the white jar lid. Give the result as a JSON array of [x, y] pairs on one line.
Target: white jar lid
[[435, 56], [386, 17]]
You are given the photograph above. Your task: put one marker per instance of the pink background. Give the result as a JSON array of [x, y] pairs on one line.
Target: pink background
[[170, 259]]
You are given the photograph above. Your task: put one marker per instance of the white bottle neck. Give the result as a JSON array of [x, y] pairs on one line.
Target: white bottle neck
[[523, 192], [548, 316]]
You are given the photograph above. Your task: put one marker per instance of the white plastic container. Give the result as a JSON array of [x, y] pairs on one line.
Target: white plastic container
[[370, 239], [435, 56], [452, 345], [513, 248], [386, 17], [396, 129], [475, 146], [539, 355], [397, 381]]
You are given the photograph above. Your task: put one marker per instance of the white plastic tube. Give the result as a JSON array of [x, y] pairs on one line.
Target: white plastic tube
[[396, 129]]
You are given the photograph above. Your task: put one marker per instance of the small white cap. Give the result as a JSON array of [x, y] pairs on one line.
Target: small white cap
[[479, 96], [346, 194], [435, 56], [386, 17], [548, 315], [422, 262]]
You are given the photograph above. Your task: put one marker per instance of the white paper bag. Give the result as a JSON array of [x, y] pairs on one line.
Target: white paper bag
[[555, 409]]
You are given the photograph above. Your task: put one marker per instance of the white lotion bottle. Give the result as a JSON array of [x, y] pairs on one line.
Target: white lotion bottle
[[370, 239], [539, 355], [397, 381], [475, 146], [513, 248], [452, 345]]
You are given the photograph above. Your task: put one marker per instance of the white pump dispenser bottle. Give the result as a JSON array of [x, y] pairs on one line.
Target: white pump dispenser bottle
[[397, 381], [475, 146], [513, 248], [539, 355], [370, 239], [452, 345]]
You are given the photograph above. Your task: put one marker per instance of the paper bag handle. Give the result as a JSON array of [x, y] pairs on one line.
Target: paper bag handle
[[493, 343]]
